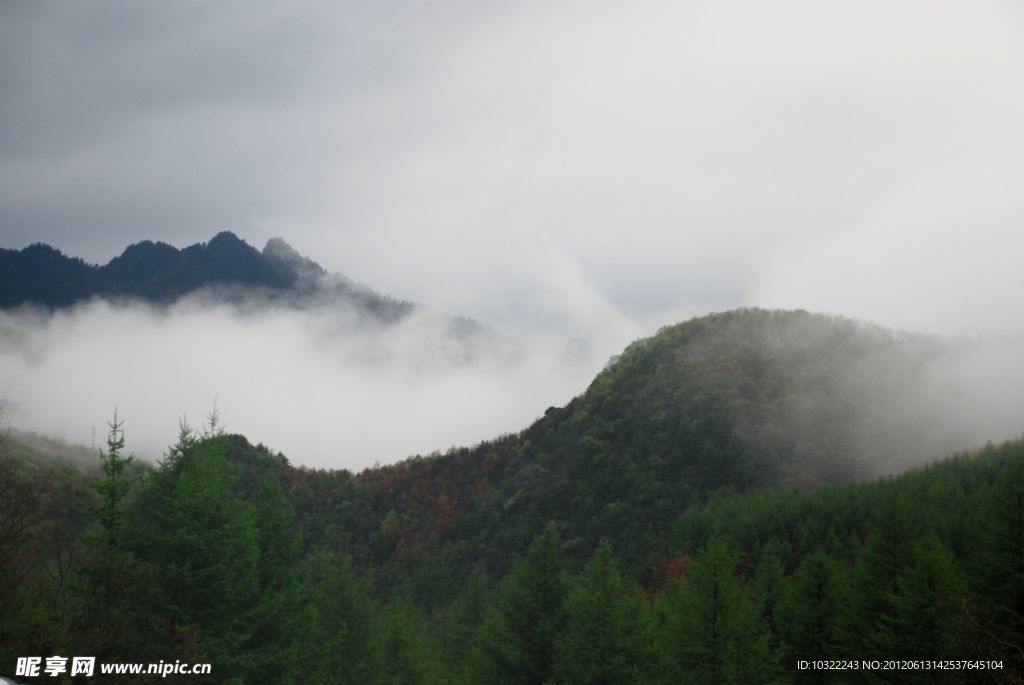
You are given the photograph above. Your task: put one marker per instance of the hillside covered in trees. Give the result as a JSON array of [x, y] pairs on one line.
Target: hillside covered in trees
[[203, 560], [732, 402], [715, 507]]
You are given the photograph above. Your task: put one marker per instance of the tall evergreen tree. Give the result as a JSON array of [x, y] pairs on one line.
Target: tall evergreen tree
[[768, 582], [713, 631], [608, 638], [197, 532], [811, 614], [927, 618], [279, 620], [519, 644], [345, 646], [111, 589], [113, 487], [406, 652], [462, 624], [187, 439], [876, 579]]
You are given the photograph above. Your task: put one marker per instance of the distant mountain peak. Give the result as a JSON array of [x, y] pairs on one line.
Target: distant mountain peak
[[146, 247], [226, 238], [283, 255], [277, 248], [42, 249], [159, 273], [230, 246]]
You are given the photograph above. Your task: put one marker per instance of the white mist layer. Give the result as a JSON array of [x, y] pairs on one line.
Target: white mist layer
[[330, 390], [316, 385]]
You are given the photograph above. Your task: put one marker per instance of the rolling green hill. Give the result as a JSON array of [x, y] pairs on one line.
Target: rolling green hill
[[732, 402]]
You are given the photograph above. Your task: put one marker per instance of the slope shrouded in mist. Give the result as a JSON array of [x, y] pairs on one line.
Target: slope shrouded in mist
[[735, 401], [824, 397], [731, 402], [812, 398]]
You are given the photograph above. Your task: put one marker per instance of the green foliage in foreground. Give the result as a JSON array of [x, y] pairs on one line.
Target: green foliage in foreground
[[201, 560]]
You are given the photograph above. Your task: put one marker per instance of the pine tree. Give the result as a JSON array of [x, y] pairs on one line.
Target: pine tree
[[876, 580], [345, 645], [519, 643], [607, 639], [463, 621], [199, 535], [112, 591], [406, 651], [713, 631], [768, 582], [114, 487], [810, 614], [279, 619], [927, 617], [187, 439]]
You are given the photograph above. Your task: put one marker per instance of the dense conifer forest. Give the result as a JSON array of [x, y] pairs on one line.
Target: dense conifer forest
[[700, 514], [204, 559]]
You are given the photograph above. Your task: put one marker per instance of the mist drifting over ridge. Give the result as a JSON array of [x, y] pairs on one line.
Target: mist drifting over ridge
[[165, 330], [330, 390], [318, 384]]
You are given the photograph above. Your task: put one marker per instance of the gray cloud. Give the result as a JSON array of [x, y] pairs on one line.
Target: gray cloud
[[675, 155]]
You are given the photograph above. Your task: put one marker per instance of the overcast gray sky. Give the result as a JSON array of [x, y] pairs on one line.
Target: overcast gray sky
[[651, 159], [594, 169]]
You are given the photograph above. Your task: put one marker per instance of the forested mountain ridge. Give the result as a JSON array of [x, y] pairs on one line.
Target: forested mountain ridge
[[731, 402], [157, 273]]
